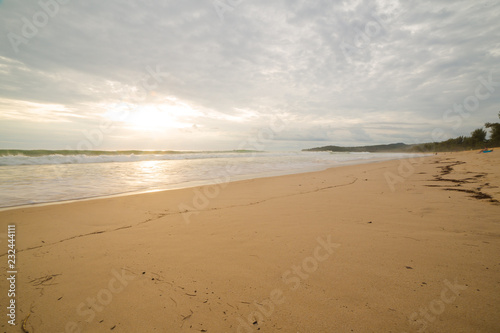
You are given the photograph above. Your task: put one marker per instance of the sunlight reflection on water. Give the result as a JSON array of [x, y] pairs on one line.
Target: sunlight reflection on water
[[29, 184]]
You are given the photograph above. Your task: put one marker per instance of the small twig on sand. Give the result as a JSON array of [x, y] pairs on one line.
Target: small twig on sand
[[186, 317], [42, 280], [24, 323]]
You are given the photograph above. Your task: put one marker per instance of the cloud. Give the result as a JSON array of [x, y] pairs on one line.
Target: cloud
[[355, 72]]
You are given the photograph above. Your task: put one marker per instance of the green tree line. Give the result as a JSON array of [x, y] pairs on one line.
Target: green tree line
[[476, 140]]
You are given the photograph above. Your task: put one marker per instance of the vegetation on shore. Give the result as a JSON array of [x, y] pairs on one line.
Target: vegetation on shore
[[393, 147], [477, 140]]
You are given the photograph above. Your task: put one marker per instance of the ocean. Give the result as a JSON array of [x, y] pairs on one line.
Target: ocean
[[35, 177]]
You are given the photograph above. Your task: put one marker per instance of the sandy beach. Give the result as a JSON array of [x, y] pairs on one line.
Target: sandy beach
[[398, 246]]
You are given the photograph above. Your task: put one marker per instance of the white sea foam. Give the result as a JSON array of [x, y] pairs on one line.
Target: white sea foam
[[50, 178], [82, 158]]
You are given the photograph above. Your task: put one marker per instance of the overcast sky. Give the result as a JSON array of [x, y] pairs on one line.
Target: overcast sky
[[198, 75]]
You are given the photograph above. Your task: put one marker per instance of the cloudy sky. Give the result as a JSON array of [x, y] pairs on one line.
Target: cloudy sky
[[198, 75]]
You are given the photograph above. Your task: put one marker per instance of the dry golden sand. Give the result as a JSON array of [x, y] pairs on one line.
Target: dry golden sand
[[256, 255]]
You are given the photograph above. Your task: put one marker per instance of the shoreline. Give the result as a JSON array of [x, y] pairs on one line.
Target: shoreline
[[331, 250], [197, 183]]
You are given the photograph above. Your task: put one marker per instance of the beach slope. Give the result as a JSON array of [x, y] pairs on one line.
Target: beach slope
[[398, 246]]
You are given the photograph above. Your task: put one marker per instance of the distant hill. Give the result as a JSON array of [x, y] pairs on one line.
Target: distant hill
[[476, 140], [393, 147]]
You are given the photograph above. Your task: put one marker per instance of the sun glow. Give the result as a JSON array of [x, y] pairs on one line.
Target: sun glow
[[151, 117]]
